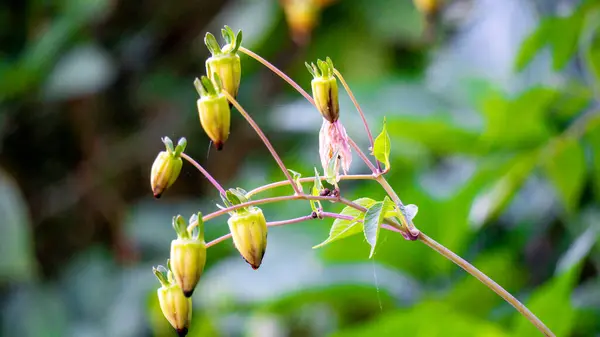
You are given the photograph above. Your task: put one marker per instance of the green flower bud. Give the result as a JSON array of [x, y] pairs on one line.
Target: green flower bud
[[213, 109], [166, 166], [188, 254], [325, 89], [249, 232], [225, 61], [176, 308]]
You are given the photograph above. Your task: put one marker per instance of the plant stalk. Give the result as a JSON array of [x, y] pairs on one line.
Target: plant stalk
[[263, 137], [202, 170]]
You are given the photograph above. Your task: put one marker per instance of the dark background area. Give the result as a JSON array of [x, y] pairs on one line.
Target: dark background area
[[494, 127]]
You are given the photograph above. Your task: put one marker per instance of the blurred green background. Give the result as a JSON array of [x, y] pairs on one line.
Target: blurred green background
[[495, 136]]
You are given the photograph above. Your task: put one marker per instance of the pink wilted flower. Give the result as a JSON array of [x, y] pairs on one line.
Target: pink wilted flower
[[333, 139]]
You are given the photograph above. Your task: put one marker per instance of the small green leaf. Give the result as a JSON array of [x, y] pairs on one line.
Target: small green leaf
[[332, 173], [296, 177], [382, 146], [343, 228], [532, 45], [315, 205], [566, 169], [373, 219]]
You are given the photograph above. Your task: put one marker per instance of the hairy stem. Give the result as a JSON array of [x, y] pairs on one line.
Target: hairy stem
[[204, 172], [488, 282], [264, 139], [358, 108]]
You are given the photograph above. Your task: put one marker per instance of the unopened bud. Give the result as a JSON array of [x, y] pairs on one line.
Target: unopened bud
[[176, 308], [188, 254], [213, 109], [325, 89], [166, 166], [225, 61], [249, 232], [302, 17]]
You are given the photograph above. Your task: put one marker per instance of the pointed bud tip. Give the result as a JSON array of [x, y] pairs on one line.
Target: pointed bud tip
[[188, 293], [219, 146], [182, 332], [157, 195]]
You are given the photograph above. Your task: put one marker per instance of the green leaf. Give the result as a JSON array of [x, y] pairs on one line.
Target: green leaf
[[332, 172], [551, 303], [494, 199], [342, 228], [373, 219], [566, 169], [315, 205], [592, 137], [425, 319], [296, 177], [532, 45], [382, 146]]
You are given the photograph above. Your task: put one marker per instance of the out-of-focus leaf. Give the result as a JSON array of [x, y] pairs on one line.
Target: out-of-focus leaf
[[566, 168], [579, 249], [591, 36], [551, 303], [382, 146], [473, 297], [373, 218], [489, 204], [343, 228], [519, 122], [593, 139], [532, 45], [439, 135], [16, 242], [426, 319], [573, 99], [560, 33]]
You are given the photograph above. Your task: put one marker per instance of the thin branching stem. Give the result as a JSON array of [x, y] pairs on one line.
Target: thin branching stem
[[264, 138], [204, 172], [307, 180], [358, 108], [305, 94], [269, 224]]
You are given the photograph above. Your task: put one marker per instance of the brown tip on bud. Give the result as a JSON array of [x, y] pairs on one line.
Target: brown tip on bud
[[254, 267], [219, 146], [188, 293], [182, 332], [157, 195]]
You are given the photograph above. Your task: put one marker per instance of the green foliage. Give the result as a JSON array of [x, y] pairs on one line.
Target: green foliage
[[382, 147], [373, 219], [566, 169], [560, 33], [343, 228], [552, 304], [427, 319]]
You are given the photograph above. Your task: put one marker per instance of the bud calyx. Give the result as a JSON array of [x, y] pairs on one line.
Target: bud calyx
[[225, 61]]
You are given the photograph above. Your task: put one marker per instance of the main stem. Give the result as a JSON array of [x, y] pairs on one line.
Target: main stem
[[263, 138], [469, 268]]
